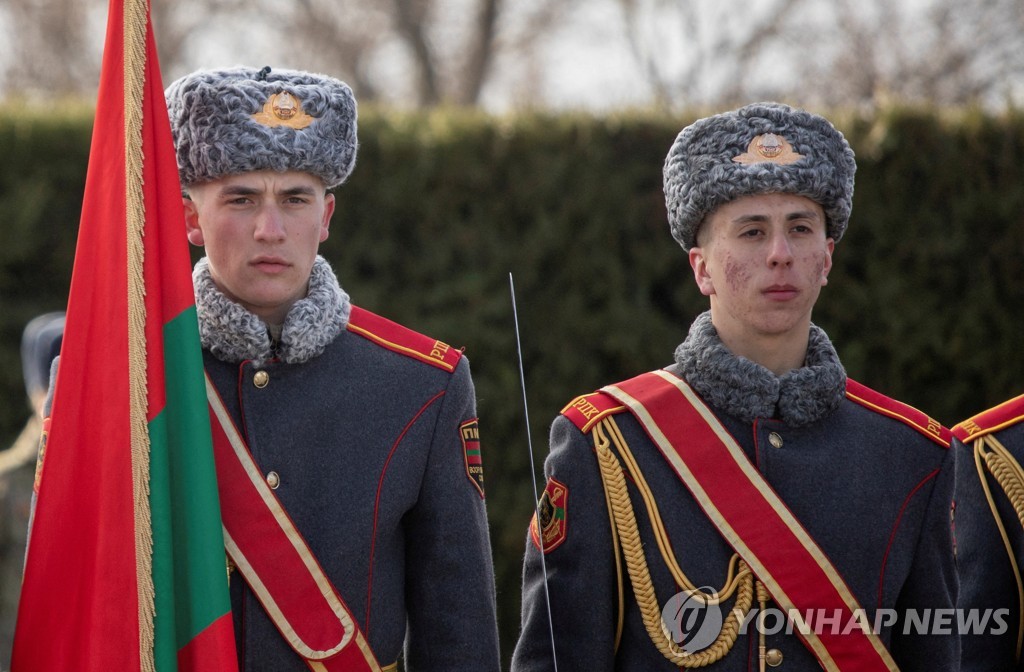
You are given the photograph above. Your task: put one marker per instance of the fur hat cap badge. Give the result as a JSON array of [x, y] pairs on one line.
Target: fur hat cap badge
[[758, 149], [240, 120]]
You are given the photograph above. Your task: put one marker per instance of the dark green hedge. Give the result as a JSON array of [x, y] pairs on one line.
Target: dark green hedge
[[924, 302]]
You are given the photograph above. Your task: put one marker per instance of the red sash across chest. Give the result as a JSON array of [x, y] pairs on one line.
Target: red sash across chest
[[276, 561], [752, 518]]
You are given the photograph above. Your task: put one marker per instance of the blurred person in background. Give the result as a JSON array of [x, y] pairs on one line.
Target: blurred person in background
[[40, 345], [988, 526]]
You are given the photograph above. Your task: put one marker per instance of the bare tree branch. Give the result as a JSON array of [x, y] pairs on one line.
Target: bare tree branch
[[686, 53], [410, 15], [480, 54], [51, 49]]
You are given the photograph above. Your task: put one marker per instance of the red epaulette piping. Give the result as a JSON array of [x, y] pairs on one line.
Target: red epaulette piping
[[587, 410], [994, 419], [402, 340], [897, 410]]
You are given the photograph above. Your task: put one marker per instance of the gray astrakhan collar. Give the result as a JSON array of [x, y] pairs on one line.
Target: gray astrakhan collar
[[745, 390], [233, 334]]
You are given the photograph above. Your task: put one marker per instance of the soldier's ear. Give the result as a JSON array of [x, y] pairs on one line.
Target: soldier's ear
[[830, 247], [195, 234], [699, 264], [325, 222]]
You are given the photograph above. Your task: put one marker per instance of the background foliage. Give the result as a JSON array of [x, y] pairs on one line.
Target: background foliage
[[924, 302]]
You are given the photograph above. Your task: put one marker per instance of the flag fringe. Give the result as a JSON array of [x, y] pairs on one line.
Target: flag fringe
[[136, 17]]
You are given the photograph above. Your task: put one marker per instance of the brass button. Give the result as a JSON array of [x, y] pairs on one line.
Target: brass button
[[260, 379], [273, 480], [773, 439], [773, 658]]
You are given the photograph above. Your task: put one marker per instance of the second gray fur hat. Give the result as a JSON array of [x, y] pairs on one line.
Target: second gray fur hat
[[758, 149], [239, 120]]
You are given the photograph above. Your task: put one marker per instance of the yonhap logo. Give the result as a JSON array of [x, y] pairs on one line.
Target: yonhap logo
[[693, 619]]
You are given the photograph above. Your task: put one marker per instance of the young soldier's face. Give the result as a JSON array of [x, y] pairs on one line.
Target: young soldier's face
[[261, 231], [763, 260]]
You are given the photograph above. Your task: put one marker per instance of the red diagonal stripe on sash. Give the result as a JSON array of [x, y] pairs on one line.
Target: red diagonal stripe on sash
[[751, 516], [276, 562]]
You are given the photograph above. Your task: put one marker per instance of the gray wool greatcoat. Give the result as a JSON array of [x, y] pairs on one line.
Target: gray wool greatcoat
[[873, 491], [364, 441], [990, 592]]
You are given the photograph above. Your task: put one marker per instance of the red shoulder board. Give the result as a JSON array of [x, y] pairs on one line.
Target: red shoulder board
[[587, 410], [393, 336], [994, 419], [897, 410]]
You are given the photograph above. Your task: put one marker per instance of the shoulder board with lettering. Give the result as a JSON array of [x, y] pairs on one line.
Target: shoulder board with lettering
[[402, 340], [999, 417], [587, 410], [908, 415]]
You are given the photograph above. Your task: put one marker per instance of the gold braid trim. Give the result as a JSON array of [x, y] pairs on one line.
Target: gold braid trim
[[136, 17], [762, 644], [624, 521], [620, 589], [661, 535], [24, 448], [991, 454]]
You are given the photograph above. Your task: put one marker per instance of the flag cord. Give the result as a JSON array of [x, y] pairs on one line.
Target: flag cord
[[135, 24]]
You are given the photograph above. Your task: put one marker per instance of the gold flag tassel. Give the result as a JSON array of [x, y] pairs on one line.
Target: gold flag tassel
[[136, 16], [991, 455], [739, 579]]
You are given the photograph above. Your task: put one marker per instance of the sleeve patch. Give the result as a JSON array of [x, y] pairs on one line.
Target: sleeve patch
[[551, 509], [469, 434]]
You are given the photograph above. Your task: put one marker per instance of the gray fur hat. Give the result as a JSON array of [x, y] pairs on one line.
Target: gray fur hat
[[241, 119], [758, 149]]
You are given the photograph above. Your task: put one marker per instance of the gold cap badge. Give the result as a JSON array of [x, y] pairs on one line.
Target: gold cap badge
[[769, 148], [283, 109]]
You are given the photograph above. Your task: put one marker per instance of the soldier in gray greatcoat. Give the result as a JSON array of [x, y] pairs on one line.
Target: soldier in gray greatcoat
[[364, 431], [748, 507], [987, 525]]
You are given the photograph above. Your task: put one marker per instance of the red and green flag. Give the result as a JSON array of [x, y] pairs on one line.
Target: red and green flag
[[125, 568]]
